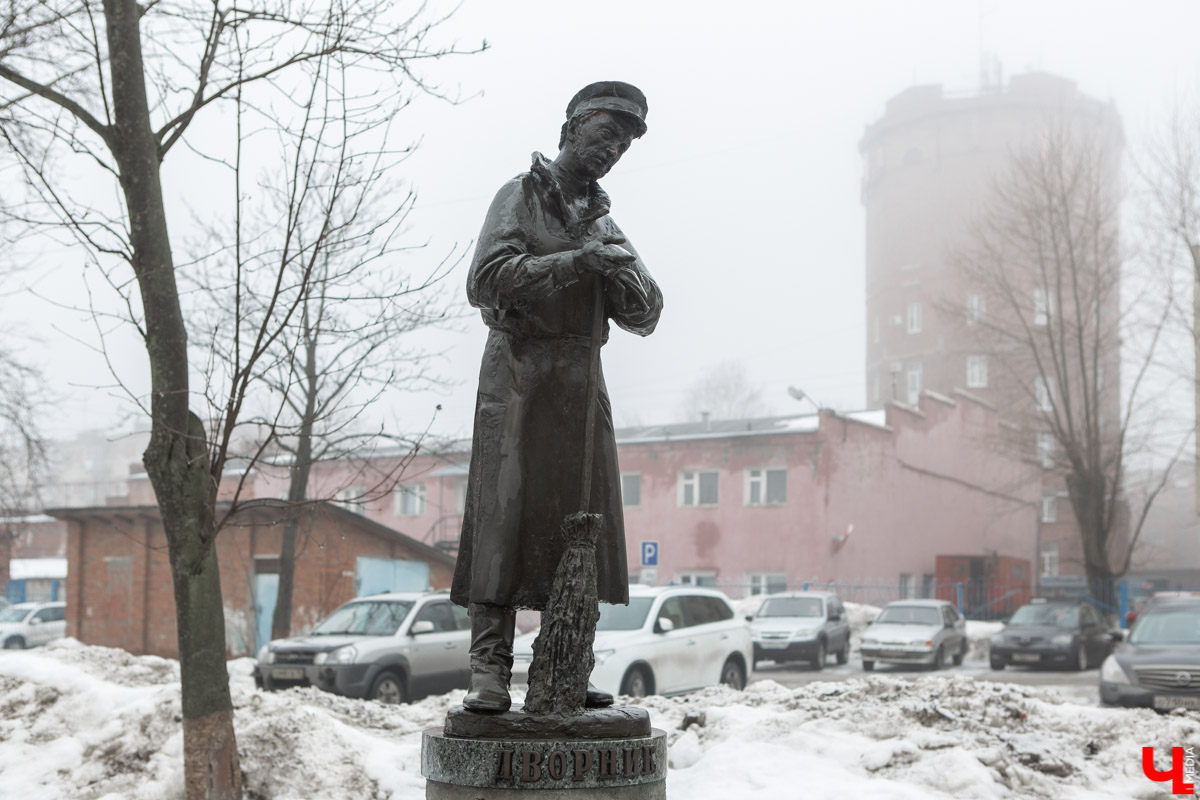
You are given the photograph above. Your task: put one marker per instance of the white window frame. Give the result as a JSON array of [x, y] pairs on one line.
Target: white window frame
[[905, 588], [976, 308], [352, 498], [977, 372], [1045, 448], [690, 478], [913, 381], [914, 318], [401, 508], [696, 577], [1050, 508], [1043, 392], [760, 582], [1043, 306], [1048, 555], [757, 477], [625, 503]]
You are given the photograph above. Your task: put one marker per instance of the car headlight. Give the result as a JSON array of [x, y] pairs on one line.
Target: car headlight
[[869, 640], [804, 636], [1111, 671], [603, 655], [1062, 640], [342, 655], [921, 643], [266, 655]]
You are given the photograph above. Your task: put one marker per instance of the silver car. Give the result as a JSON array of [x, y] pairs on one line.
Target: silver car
[[915, 632], [801, 626]]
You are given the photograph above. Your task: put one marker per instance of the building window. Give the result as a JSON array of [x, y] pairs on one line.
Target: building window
[[767, 582], [1043, 391], [409, 499], [698, 577], [1043, 307], [698, 488], [352, 498], [906, 586], [1049, 556], [928, 585], [460, 497], [631, 489], [1045, 448], [914, 384], [976, 308], [766, 487], [1050, 507], [977, 377], [914, 317]]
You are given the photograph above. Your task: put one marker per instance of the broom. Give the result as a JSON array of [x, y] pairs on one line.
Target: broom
[[562, 653]]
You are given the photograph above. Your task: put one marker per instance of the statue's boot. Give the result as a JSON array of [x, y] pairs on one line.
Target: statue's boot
[[492, 631], [596, 698]]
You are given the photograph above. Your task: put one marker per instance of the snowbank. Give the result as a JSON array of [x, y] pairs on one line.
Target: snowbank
[[98, 724]]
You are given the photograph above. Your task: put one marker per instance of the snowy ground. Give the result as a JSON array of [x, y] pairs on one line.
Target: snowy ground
[[85, 723]]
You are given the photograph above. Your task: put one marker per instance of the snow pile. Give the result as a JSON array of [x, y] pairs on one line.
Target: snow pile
[[98, 724]]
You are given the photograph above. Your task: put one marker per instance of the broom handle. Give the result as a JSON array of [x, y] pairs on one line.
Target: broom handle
[[593, 391]]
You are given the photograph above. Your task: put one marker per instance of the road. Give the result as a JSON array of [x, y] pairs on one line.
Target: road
[[1080, 687]]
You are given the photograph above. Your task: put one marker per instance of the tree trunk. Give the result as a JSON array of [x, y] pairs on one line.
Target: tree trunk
[[176, 459]]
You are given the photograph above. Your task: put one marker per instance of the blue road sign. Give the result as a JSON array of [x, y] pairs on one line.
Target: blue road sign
[[649, 554]]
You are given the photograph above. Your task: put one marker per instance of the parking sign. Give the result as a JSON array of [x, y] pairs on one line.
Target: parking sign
[[649, 554]]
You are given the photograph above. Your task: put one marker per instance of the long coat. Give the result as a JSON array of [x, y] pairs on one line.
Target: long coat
[[527, 448]]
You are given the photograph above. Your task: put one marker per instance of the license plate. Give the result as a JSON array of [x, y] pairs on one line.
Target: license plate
[[287, 673], [774, 645], [1175, 701], [1026, 657]]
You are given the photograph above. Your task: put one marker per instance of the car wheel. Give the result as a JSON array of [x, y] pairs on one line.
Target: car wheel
[[1081, 657], [14, 643], [843, 655], [732, 674], [818, 659], [636, 682], [939, 659], [997, 664], [868, 666], [958, 657], [388, 689]]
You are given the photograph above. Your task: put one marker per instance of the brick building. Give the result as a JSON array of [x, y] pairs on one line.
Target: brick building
[[930, 163], [33, 553], [120, 593]]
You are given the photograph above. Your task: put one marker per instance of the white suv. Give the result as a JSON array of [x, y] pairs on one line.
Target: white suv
[[30, 624], [668, 640], [392, 647]]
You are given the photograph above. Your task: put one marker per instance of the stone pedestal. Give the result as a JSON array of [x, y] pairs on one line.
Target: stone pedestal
[[606, 754]]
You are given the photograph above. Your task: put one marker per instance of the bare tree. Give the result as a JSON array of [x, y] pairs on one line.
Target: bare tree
[[99, 94], [1045, 267], [724, 392]]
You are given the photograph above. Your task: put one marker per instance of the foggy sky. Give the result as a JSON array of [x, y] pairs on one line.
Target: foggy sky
[[742, 198]]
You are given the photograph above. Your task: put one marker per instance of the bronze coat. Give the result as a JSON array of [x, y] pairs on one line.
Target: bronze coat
[[527, 448]]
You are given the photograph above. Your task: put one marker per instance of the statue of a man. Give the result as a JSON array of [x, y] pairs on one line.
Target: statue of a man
[[547, 239]]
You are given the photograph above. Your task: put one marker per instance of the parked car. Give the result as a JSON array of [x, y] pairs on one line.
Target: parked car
[[394, 648], [801, 626], [1158, 666], [1068, 633], [915, 632], [1140, 605], [30, 624], [669, 639]]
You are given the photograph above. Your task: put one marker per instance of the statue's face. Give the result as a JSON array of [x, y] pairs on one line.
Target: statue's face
[[598, 144]]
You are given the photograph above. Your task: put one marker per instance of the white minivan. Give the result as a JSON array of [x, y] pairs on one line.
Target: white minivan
[[31, 624], [669, 639]]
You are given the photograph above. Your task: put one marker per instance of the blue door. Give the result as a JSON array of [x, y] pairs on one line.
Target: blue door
[[266, 589], [375, 575]]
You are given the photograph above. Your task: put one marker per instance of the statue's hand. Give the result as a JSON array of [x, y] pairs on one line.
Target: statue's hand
[[629, 289], [604, 256]]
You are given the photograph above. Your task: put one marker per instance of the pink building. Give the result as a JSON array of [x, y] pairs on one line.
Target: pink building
[[863, 499]]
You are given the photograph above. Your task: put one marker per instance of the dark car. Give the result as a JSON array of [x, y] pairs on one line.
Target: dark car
[[1159, 665], [1059, 633]]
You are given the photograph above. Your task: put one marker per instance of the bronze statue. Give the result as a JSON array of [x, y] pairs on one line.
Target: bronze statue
[[547, 239]]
